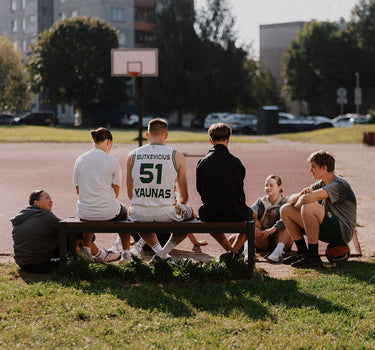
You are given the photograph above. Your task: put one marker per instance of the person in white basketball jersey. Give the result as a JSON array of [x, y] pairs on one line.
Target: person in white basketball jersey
[[153, 173]]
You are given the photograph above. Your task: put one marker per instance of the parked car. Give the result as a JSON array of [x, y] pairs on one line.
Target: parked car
[[36, 118], [5, 118], [360, 119], [244, 123], [286, 117], [213, 118], [132, 120], [197, 123], [346, 120]]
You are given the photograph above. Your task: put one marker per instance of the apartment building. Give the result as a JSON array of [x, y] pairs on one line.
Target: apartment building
[[23, 20], [274, 39]]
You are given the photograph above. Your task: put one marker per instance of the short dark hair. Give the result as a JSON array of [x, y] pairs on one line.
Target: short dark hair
[[323, 158], [157, 126], [100, 135], [35, 196], [219, 132]]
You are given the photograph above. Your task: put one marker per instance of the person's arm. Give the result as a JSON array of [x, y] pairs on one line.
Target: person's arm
[[294, 197], [116, 188], [129, 179], [181, 178], [311, 197]]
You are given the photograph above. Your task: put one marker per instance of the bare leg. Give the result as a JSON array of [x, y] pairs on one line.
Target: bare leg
[[125, 240], [222, 240], [150, 238], [178, 237], [195, 242], [87, 239], [284, 237], [293, 221], [312, 216], [239, 242]]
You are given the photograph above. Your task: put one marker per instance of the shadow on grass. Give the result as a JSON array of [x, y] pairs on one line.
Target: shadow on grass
[[362, 271], [183, 289]]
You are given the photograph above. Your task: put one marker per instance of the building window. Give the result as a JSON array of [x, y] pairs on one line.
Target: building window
[[14, 5], [13, 26], [27, 3], [60, 1], [75, 14], [24, 24], [122, 39], [144, 14], [117, 14], [62, 15], [24, 46]]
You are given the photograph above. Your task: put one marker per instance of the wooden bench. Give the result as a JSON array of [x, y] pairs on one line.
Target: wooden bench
[[73, 225]]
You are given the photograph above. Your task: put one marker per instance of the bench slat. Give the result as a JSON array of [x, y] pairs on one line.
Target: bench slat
[[74, 225]]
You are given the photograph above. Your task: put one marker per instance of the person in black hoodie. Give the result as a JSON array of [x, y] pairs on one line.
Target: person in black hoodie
[[35, 235], [219, 181]]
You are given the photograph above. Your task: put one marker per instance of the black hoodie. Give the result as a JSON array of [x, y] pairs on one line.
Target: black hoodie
[[35, 235]]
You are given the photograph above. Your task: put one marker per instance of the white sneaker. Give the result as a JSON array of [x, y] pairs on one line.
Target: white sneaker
[[85, 254], [136, 250], [125, 257], [276, 256], [108, 256], [246, 251], [117, 245]]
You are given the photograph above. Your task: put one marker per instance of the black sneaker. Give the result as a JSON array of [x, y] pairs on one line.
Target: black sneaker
[[227, 257], [308, 261], [293, 258]]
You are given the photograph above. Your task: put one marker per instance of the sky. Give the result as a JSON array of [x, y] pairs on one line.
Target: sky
[[250, 14]]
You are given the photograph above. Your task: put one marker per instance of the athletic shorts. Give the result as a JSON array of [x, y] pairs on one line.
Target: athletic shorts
[[178, 212], [329, 230]]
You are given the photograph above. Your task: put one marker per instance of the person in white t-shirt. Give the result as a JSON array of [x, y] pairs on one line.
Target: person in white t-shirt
[[97, 178], [153, 172]]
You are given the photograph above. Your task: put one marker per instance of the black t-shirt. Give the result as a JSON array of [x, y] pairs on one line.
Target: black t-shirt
[[219, 181]]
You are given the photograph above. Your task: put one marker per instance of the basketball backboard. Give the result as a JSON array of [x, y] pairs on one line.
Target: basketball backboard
[[134, 62]]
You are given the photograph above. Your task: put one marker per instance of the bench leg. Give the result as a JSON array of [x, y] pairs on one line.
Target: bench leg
[[251, 250], [62, 253]]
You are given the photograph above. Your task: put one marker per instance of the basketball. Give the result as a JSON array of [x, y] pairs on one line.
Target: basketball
[[337, 253]]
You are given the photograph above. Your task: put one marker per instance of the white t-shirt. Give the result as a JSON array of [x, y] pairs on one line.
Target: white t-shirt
[[154, 175], [94, 173]]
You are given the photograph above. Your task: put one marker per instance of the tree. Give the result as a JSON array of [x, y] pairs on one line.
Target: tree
[[320, 59], [177, 42], [15, 93], [71, 63], [362, 29]]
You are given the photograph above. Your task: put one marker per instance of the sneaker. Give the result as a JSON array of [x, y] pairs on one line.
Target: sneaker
[[125, 257], [308, 261], [85, 254], [293, 258], [136, 250], [117, 246], [276, 256], [226, 257], [108, 257], [156, 259]]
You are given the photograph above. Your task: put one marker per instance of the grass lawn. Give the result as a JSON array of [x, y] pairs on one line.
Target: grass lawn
[[184, 307], [23, 133], [73, 135], [352, 134]]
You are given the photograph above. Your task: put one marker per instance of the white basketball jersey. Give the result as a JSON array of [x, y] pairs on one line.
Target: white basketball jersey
[[154, 175]]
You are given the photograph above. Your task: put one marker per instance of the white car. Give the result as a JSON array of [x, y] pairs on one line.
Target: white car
[[213, 118], [244, 123], [345, 120], [132, 120]]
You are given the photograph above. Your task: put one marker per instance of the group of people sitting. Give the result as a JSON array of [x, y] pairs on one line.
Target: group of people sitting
[[157, 187]]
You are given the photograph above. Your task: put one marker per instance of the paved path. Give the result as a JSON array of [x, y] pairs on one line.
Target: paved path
[[26, 167]]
